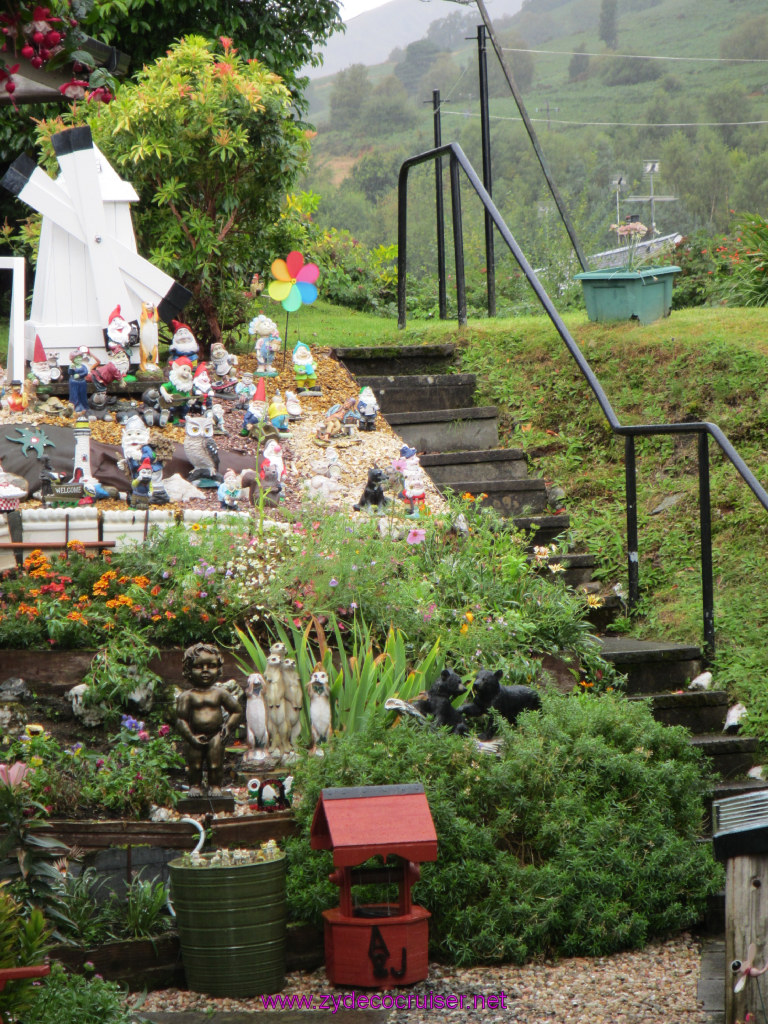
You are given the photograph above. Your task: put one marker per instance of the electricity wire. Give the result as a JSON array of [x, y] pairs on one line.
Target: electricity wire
[[639, 56], [617, 124]]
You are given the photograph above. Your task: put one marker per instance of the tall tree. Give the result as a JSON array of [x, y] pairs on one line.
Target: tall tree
[[285, 35], [211, 145], [607, 29], [351, 89]]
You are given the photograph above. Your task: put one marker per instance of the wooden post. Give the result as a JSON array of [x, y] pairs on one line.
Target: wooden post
[[746, 921]]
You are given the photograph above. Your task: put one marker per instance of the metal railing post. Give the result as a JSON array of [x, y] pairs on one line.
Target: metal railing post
[[485, 140], [630, 484], [442, 302], [705, 518], [458, 242]]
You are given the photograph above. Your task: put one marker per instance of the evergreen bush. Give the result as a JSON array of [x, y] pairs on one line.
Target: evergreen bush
[[581, 838]]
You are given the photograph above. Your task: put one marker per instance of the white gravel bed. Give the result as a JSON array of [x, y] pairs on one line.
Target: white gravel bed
[[654, 986]]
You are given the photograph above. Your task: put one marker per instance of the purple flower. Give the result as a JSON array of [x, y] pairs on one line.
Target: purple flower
[[333, 582], [353, 606]]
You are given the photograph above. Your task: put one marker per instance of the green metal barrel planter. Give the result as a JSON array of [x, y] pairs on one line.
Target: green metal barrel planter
[[231, 923], [644, 295]]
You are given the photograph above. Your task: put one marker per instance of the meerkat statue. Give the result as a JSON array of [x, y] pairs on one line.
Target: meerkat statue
[[294, 700], [275, 700]]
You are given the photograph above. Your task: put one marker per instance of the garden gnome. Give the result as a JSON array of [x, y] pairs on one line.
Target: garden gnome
[[305, 370], [229, 491], [245, 389], [39, 367], [119, 337], [200, 717], [78, 375], [367, 408], [183, 344], [266, 345], [176, 392], [223, 366], [256, 412], [278, 413]]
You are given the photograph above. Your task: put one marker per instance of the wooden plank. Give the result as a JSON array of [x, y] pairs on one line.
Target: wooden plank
[[746, 922], [246, 830]]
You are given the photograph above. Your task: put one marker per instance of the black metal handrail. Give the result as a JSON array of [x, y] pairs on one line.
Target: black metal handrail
[[703, 430]]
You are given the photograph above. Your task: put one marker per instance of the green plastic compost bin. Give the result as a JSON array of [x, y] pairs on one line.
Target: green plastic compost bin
[[644, 295]]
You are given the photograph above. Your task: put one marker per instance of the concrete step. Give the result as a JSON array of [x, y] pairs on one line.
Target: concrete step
[[577, 569], [447, 429], [731, 756], [422, 391], [508, 497], [395, 360], [493, 464], [652, 666], [542, 529], [699, 711]]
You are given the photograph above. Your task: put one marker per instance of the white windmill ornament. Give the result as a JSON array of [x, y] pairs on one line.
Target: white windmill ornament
[[87, 262]]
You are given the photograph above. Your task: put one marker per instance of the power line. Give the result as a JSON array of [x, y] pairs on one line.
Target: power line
[[619, 124], [639, 56]]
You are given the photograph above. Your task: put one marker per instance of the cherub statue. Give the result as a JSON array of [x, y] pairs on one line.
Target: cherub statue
[[200, 720]]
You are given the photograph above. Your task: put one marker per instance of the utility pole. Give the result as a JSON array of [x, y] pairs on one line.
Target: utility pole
[[533, 137], [485, 137]]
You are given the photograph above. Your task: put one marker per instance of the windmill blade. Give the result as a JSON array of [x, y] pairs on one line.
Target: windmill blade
[[74, 152], [142, 279]]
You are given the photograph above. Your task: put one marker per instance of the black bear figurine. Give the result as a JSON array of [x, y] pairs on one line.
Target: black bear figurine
[[373, 493], [509, 701], [448, 684]]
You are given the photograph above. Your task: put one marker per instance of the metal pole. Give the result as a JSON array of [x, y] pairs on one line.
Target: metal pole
[[630, 478], [705, 516], [458, 242], [442, 301], [485, 136], [402, 242], [533, 137]]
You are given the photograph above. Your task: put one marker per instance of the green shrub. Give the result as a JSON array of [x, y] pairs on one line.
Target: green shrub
[[78, 999], [581, 838]]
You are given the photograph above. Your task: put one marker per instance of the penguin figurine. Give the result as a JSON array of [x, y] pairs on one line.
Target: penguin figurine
[[257, 733]]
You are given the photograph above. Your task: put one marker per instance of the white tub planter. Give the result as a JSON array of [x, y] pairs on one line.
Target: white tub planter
[[131, 525], [58, 526]]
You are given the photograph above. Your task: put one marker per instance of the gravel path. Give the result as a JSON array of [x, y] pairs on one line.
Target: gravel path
[[654, 986]]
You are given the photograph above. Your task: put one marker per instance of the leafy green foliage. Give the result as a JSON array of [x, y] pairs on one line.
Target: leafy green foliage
[[75, 998], [285, 37], [209, 142], [580, 839], [24, 940]]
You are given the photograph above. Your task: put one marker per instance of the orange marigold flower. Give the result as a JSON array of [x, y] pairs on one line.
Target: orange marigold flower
[[141, 581], [170, 615], [155, 590]]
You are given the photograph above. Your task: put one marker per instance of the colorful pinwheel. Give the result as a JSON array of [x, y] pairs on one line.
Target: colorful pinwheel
[[294, 283]]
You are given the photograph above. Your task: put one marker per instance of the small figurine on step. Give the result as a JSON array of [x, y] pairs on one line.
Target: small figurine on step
[[266, 344], [183, 345], [148, 340], [367, 409], [119, 338], [79, 368], [224, 374], [305, 370], [230, 491]]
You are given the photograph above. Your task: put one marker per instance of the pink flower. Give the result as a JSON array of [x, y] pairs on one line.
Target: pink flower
[[164, 730], [15, 775], [416, 536], [143, 734]]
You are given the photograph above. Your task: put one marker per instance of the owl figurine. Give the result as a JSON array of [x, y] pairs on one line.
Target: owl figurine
[[200, 448]]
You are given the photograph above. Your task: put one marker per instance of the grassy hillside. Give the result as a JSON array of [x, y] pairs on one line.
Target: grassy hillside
[[697, 365]]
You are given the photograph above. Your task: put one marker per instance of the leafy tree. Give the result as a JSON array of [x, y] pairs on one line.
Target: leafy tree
[[351, 89], [727, 105], [417, 60], [285, 36], [376, 172], [389, 108], [748, 40], [607, 28], [578, 65], [210, 144]]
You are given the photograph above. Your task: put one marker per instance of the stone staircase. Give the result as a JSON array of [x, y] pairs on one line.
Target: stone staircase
[[432, 407]]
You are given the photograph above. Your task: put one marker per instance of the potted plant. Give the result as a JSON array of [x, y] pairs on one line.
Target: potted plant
[[629, 292]]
